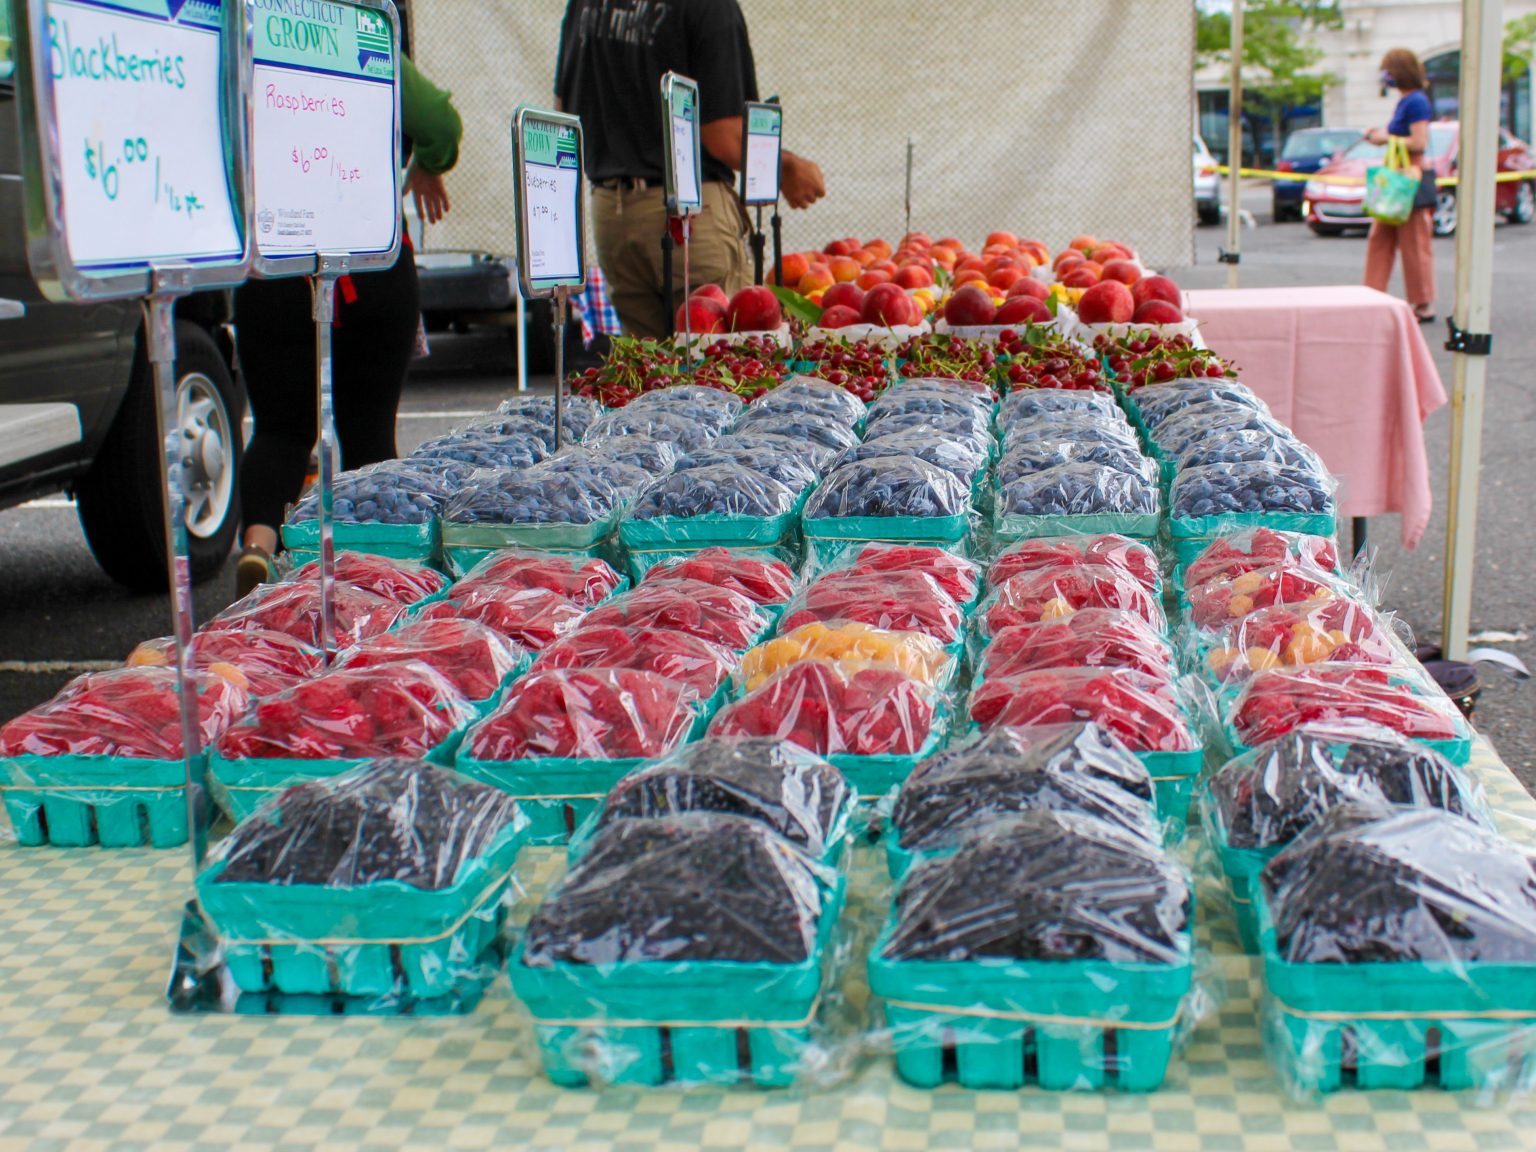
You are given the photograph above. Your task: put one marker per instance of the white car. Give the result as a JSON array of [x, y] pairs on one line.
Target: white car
[[1207, 184]]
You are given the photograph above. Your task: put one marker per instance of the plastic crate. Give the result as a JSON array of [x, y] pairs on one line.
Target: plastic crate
[[707, 1022], [1399, 1025], [380, 939], [116, 802], [1002, 1024]]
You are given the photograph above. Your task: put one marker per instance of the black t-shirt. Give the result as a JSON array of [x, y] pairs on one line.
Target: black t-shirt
[[613, 54]]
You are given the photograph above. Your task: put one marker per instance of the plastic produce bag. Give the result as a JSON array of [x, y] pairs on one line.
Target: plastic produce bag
[[781, 785], [1045, 886], [403, 581], [889, 486], [577, 411], [1055, 499], [1246, 446], [761, 579], [1032, 456], [258, 660], [1201, 495], [1157, 403], [958, 577], [568, 504], [812, 452], [476, 659], [819, 431], [1181, 432], [722, 504], [391, 492], [1230, 556], [934, 395], [484, 450], [539, 429], [656, 423], [1144, 712], [635, 451], [1028, 403], [1215, 604], [1051, 593], [871, 712], [700, 665], [1337, 629], [1271, 794], [575, 714], [532, 617], [1132, 557], [1402, 699], [897, 602], [295, 609], [1370, 885], [996, 776], [851, 647], [1090, 638], [808, 395], [718, 615], [962, 459], [584, 581], [786, 468], [968, 427], [350, 714], [710, 406], [131, 713], [406, 862]]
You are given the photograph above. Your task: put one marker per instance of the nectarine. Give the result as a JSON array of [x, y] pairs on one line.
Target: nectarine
[[795, 268], [1157, 312], [754, 310], [712, 292], [1007, 239], [1122, 270], [1023, 310], [969, 306], [1029, 286], [912, 276], [1108, 302], [1157, 288], [886, 305], [839, 316], [871, 277], [700, 314], [846, 293], [844, 268]]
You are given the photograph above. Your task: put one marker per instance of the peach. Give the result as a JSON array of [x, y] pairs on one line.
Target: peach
[[1122, 270], [1108, 302], [1157, 312], [847, 294], [1006, 239], [838, 316], [818, 279], [1081, 277], [1065, 257], [844, 268], [1023, 310], [970, 276], [754, 310], [1006, 278], [1083, 242], [1157, 288], [871, 277], [700, 314], [881, 248], [864, 257], [886, 305], [913, 276], [795, 268], [886, 266], [841, 248], [1029, 286], [969, 306], [712, 292], [1106, 252]]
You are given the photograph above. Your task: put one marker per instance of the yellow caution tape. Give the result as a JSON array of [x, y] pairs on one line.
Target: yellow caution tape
[[1305, 177]]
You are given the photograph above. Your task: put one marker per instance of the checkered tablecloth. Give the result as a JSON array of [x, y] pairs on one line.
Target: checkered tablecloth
[[90, 1058]]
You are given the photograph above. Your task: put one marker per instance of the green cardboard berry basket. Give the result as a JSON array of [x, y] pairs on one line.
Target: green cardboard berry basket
[[1191, 535], [1240, 868], [397, 541], [465, 545], [875, 776], [1398, 1024], [380, 939], [240, 786], [828, 539], [1458, 749], [711, 530], [690, 1022], [1061, 1024], [1138, 526], [115, 801]]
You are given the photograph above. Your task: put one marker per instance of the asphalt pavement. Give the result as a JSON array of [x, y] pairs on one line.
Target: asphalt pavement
[[60, 615]]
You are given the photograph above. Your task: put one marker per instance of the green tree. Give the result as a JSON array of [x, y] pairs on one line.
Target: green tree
[[1519, 46], [1280, 55]]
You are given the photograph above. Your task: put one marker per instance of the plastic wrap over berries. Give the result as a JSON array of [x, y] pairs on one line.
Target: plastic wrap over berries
[[657, 423], [819, 433], [961, 458], [809, 396], [1181, 432], [1145, 712], [1340, 629], [652, 457], [781, 785], [258, 659], [1077, 427], [393, 492], [351, 714], [1272, 793], [540, 429], [699, 664], [1228, 557], [1401, 698], [719, 490], [699, 886], [483, 450], [933, 395], [1073, 768], [906, 601], [1050, 593], [396, 819], [532, 617], [1218, 489], [578, 413], [1089, 638], [1026, 404], [959, 578], [1031, 456], [295, 608], [1158, 402], [889, 486], [1247, 446], [133, 713], [1369, 884], [1217, 602], [403, 581], [1079, 489], [761, 579], [710, 406], [1045, 886], [475, 658], [559, 490], [711, 613], [785, 468], [970, 428], [584, 581], [850, 646], [1132, 557]]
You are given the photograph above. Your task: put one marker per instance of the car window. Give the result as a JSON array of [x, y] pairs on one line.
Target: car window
[[1442, 137], [1316, 145], [1364, 150]]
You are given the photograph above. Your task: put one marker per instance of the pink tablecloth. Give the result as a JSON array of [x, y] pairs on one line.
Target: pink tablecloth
[[1349, 370]]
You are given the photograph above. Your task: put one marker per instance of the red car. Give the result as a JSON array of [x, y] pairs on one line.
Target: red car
[[1331, 208]]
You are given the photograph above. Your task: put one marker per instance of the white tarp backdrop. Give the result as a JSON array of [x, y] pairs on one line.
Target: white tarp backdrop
[[1045, 117]]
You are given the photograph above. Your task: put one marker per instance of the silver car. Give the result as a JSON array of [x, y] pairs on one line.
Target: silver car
[[1207, 184]]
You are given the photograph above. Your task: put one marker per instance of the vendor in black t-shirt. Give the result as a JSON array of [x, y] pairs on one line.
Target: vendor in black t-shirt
[[613, 54]]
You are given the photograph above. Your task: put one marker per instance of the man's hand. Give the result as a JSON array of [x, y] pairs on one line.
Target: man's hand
[[801, 181], [429, 193]]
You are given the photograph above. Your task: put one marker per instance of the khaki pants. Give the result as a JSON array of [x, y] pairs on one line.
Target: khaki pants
[[628, 226], [1412, 239]]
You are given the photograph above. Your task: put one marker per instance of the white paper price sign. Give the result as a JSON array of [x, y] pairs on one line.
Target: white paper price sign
[[762, 140], [129, 111], [680, 133], [551, 219], [325, 141]]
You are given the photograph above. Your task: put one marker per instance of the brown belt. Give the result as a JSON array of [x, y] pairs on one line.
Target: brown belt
[[627, 184]]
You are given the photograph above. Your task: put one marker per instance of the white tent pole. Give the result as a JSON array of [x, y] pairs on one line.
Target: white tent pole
[[1233, 251], [1482, 48]]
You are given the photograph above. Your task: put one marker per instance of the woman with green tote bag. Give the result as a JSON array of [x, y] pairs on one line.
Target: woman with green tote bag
[[1407, 133]]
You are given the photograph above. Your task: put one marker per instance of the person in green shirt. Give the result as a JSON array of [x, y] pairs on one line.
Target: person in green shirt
[[377, 314]]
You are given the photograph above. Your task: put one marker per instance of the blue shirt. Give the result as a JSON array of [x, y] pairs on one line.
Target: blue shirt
[[1413, 108]]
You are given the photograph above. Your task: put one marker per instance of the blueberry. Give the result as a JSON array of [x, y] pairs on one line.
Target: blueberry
[[889, 486]]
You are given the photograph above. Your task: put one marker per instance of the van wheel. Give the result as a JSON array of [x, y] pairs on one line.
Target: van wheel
[[120, 499]]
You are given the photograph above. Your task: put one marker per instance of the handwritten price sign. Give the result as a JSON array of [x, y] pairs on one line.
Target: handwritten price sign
[[550, 229]]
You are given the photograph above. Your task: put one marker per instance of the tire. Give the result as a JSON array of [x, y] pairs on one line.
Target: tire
[[1210, 214], [1524, 210], [1445, 213], [120, 500], [1325, 229]]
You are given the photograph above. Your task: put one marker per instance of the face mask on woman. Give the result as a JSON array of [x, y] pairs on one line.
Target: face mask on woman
[[1387, 81]]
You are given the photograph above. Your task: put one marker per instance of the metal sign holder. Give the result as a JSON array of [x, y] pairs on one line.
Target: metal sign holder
[[680, 97], [324, 267], [565, 131], [768, 117], [156, 282]]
